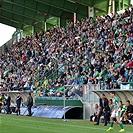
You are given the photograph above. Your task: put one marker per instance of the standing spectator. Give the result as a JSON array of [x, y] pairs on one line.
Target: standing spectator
[[8, 103], [0, 102], [104, 109], [18, 102], [29, 104]]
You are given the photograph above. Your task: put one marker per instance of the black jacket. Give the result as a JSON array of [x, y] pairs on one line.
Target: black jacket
[[104, 105], [29, 101], [130, 109], [8, 101], [18, 100]]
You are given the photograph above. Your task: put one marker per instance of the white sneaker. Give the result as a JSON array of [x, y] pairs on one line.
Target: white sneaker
[[130, 121], [121, 119]]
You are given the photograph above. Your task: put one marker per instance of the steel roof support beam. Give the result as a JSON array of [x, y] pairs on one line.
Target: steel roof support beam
[[24, 6], [19, 5], [37, 10], [100, 9], [86, 4], [15, 21], [18, 21], [59, 7], [23, 16], [107, 7], [33, 9], [127, 4], [50, 4], [11, 23], [23, 12], [19, 14]]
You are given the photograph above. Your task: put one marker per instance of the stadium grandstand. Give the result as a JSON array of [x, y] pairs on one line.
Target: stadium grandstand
[[67, 53]]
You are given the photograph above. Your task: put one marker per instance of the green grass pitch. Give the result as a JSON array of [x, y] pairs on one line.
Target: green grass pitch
[[25, 124]]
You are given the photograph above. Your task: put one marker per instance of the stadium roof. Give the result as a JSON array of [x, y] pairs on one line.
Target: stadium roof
[[20, 13]]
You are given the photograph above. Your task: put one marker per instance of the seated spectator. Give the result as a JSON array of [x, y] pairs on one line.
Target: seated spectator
[[84, 52], [111, 105], [94, 116], [129, 112], [105, 86], [4, 107], [12, 107]]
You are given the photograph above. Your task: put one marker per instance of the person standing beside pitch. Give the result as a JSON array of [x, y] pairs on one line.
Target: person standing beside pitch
[[0, 101], [18, 102], [29, 104], [116, 112], [8, 103], [103, 110]]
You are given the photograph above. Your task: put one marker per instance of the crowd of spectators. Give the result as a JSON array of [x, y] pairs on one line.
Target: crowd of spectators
[[86, 52]]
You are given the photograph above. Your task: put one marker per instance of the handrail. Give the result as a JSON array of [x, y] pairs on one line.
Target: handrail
[[126, 83], [54, 71], [56, 98]]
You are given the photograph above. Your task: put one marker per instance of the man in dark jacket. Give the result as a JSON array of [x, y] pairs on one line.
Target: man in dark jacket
[[0, 102], [8, 103], [104, 109], [18, 102], [29, 104]]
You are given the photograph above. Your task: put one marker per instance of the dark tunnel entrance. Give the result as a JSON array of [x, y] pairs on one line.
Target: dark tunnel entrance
[[74, 113]]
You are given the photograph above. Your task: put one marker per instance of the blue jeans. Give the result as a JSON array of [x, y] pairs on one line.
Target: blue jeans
[[106, 116]]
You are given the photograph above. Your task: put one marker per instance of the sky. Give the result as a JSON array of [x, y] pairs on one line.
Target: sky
[[5, 33]]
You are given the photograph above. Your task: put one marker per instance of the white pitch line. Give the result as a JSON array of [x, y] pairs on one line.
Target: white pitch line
[[28, 120]]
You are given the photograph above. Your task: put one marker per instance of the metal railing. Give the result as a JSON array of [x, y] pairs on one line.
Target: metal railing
[[54, 73]]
